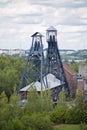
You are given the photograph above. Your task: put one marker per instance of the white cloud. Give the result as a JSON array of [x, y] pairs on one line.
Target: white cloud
[[19, 19]]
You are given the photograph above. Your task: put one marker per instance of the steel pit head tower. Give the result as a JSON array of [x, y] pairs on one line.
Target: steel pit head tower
[[53, 61], [34, 69], [37, 68]]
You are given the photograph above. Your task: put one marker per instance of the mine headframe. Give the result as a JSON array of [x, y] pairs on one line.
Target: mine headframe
[[34, 67], [53, 61]]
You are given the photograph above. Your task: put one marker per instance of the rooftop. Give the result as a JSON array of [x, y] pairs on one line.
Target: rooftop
[[51, 28], [52, 83], [68, 69]]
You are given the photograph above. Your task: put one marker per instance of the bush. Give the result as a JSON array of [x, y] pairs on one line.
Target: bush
[[76, 116], [27, 122], [84, 116], [17, 124], [58, 115], [73, 116], [41, 122], [70, 116], [37, 104], [36, 122]]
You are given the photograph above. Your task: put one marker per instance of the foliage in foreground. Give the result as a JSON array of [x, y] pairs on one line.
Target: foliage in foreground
[[75, 114], [28, 117], [10, 74], [38, 113]]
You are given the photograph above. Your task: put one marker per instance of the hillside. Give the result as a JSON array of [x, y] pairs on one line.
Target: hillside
[[74, 55], [65, 54]]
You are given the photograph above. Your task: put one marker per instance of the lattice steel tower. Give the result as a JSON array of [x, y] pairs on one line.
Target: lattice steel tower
[[37, 68], [34, 68], [53, 61]]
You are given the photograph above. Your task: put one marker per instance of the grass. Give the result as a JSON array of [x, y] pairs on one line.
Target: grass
[[70, 127]]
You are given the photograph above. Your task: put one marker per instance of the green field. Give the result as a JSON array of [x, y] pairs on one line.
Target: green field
[[70, 127]]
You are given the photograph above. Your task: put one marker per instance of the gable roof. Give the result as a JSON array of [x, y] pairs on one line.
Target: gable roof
[[37, 34], [51, 80]]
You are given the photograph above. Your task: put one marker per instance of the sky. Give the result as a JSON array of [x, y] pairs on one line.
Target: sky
[[19, 19]]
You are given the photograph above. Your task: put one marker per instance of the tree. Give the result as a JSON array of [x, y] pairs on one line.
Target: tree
[[79, 101], [36, 103], [10, 77], [10, 74], [58, 114], [75, 67], [62, 99]]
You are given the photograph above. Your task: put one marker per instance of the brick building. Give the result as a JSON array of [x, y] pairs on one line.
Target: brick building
[[71, 76]]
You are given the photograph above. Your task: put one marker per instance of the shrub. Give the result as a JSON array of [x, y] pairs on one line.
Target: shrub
[[84, 116], [17, 124], [27, 122], [41, 122], [37, 104], [73, 116], [58, 115], [76, 116], [36, 122]]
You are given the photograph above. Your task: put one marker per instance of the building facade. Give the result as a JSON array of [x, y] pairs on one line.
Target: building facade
[[71, 76]]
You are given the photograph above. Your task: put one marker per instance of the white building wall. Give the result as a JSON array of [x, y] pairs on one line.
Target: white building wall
[[83, 70]]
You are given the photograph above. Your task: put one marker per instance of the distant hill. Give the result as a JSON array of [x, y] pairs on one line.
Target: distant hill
[[66, 54], [75, 55], [66, 50]]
